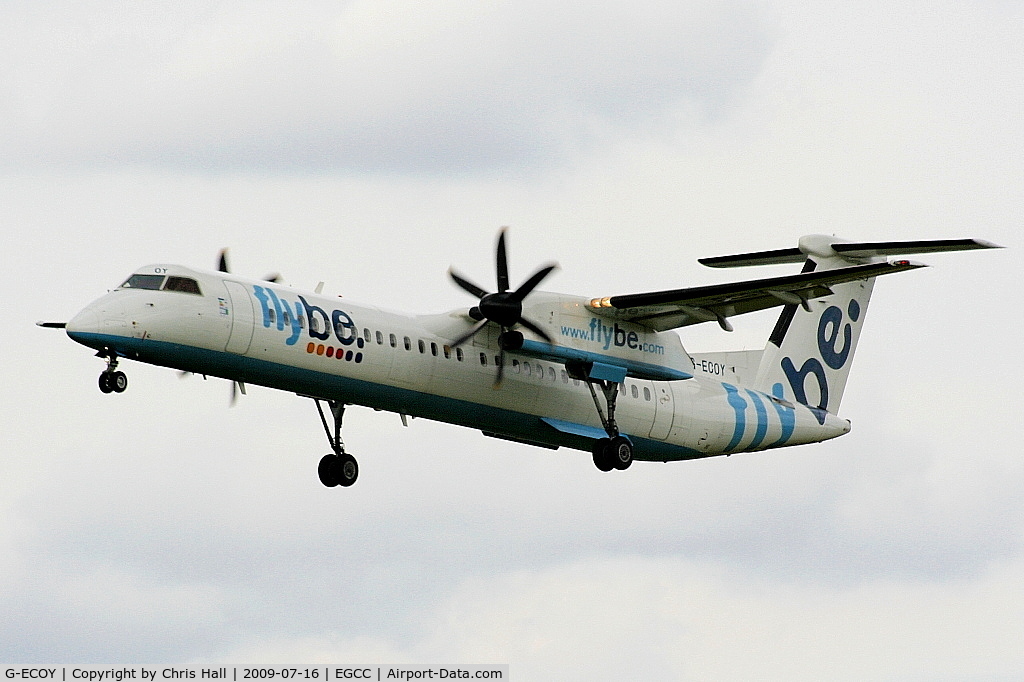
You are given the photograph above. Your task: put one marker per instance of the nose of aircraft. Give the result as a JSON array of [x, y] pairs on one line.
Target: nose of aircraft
[[85, 323]]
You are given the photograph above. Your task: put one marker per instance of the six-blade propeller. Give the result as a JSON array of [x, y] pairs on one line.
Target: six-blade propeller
[[504, 307]]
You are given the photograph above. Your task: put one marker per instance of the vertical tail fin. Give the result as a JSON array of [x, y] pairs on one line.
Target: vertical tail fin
[[808, 356]]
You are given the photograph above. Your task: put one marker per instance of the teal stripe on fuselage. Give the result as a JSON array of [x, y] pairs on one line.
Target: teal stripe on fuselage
[[369, 394]]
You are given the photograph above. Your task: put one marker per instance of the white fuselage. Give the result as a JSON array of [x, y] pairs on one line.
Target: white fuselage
[[277, 336]]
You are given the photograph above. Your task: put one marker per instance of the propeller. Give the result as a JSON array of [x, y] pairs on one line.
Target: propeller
[[222, 266], [236, 386], [504, 307]]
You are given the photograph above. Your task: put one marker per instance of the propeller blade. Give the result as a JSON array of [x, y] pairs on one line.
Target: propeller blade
[[529, 285], [502, 263], [501, 370], [222, 261], [466, 284], [470, 334], [236, 386], [536, 330]]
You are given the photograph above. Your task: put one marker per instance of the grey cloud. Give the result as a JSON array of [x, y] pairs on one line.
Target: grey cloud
[[389, 87]]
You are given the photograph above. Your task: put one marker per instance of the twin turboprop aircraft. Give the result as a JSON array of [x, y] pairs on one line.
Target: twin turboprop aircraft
[[605, 375]]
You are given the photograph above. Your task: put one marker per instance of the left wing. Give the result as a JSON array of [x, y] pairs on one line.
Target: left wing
[[661, 310]]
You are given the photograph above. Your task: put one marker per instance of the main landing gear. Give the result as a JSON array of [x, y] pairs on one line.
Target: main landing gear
[[615, 451], [112, 380], [339, 467]]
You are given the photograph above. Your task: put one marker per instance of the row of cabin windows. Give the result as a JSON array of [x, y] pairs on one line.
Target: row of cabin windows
[[548, 372], [517, 367]]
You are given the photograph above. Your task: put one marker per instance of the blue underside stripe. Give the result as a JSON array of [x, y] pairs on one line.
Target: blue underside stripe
[[378, 396]]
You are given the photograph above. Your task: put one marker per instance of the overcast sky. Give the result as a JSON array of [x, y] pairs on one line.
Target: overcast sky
[[371, 145]]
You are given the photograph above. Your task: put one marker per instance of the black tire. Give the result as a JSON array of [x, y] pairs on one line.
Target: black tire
[[118, 382], [328, 470], [602, 459], [105, 384], [620, 452], [347, 470]]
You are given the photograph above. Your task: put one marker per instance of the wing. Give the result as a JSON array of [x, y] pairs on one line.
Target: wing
[[661, 310]]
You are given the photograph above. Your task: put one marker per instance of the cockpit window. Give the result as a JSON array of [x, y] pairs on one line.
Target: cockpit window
[[143, 282], [185, 284]]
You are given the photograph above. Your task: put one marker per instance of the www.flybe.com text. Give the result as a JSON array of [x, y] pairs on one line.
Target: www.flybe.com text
[[599, 332]]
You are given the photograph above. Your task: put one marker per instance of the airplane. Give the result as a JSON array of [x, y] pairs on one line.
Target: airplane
[[606, 375]]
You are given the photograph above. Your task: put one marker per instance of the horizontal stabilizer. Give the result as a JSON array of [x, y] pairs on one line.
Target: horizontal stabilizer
[[874, 249], [852, 250], [739, 260]]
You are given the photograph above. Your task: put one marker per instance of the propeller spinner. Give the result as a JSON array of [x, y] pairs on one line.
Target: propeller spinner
[[504, 308]]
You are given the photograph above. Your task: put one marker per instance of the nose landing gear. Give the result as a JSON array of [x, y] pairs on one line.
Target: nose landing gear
[[339, 467], [112, 380]]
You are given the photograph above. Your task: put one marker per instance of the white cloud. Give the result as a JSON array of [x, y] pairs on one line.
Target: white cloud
[[669, 619]]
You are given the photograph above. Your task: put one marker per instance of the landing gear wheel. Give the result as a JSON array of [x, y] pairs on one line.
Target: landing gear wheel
[[328, 470], [620, 452], [118, 382], [602, 458], [346, 470], [339, 468], [105, 383]]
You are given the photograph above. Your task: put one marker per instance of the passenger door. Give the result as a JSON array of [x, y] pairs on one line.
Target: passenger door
[[242, 318]]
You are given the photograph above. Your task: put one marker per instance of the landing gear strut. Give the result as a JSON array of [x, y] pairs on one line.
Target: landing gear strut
[[112, 380], [339, 467], [615, 451]]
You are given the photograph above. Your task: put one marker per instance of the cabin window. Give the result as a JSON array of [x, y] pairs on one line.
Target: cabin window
[[634, 391], [433, 349], [345, 330], [622, 388], [483, 359], [447, 352], [393, 340], [185, 285], [408, 343], [647, 393], [143, 282], [272, 314], [422, 346], [314, 324], [515, 366], [565, 377], [458, 354], [551, 373], [380, 338], [366, 335], [526, 368]]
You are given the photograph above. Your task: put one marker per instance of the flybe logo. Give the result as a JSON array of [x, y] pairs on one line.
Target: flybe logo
[[835, 352], [324, 330], [599, 332]]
